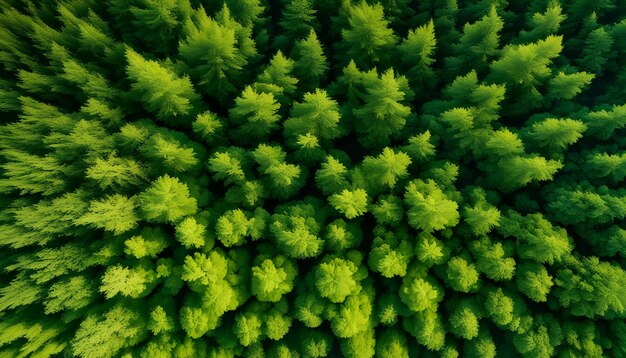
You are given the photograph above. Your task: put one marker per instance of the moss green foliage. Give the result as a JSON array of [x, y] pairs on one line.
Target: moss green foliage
[[312, 178]]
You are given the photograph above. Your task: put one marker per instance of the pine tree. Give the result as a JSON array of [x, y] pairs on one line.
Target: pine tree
[[597, 49], [256, 114], [429, 207], [160, 90], [296, 21], [334, 279], [166, 199], [567, 86], [331, 177], [277, 79], [368, 34], [416, 52], [317, 114], [544, 24], [384, 113], [478, 44], [350, 203], [115, 213], [385, 170], [157, 23], [214, 55], [310, 65], [524, 68]]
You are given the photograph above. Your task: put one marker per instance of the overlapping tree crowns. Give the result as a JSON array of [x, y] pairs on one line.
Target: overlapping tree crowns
[[312, 178]]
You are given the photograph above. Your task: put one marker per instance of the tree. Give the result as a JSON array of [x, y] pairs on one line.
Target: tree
[[368, 35], [427, 328], [172, 154], [246, 12], [310, 64], [28, 173], [166, 200], [602, 124], [226, 167], [392, 343], [492, 260], [520, 171], [131, 282], [544, 24], [482, 217], [420, 293], [335, 279], [351, 203], [157, 23], [149, 242], [316, 343], [462, 275], [190, 233], [568, 86], [580, 205], [235, 226], [272, 278], [108, 333], [70, 294], [213, 52], [352, 317], [295, 230], [209, 127], [388, 210], [384, 113], [477, 45], [523, 68], [526, 65], [556, 134], [597, 48], [602, 165], [116, 173], [115, 213], [417, 51], [296, 21], [464, 323], [277, 78], [160, 90], [429, 207], [317, 114], [255, 113], [481, 346], [419, 147], [385, 170], [282, 178], [534, 281], [390, 255], [591, 288], [342, 236], [331, 177], [537, 239]]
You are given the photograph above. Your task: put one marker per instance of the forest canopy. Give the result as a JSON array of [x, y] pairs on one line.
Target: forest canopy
[[312, 178]]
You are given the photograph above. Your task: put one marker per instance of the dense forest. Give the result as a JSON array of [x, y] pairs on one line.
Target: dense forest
[[313, 178]]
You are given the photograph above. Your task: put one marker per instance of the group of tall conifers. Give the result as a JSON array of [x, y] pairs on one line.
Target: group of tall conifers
[[312, 178]]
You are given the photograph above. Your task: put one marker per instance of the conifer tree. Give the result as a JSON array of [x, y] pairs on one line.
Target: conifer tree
[[161, 91], [310, 65], [166, 199], [302, 178], [384, 102], [417, 51], [213, 53], [477, 45], [297, 20], [368, 34]]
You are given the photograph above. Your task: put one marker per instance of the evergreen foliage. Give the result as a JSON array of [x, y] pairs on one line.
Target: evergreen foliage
[[312, 178]]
